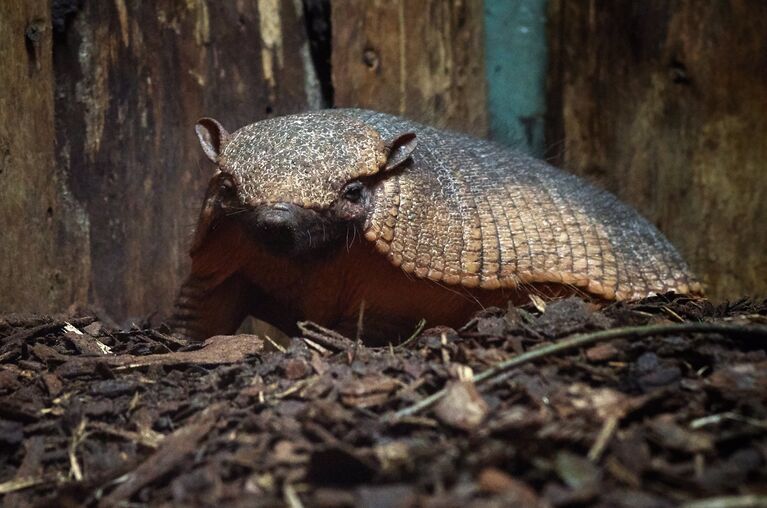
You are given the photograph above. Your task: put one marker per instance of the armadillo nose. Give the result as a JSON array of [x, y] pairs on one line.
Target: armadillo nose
[[282, 207], [278, 216], [277, 226]]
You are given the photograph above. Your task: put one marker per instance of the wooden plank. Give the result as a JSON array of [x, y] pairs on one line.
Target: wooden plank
[[132, 79], [515, 49], [664, 103], [43, 239], [419, 58]]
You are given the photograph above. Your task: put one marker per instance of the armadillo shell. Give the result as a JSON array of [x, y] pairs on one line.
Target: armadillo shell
[[466, 211]]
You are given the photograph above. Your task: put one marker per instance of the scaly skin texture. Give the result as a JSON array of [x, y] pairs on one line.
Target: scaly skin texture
[[460, 224]]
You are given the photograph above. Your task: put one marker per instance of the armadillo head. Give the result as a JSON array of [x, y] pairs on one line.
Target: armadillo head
[[299, 183]]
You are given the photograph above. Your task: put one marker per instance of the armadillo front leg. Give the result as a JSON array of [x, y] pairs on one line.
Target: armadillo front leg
[[202, 311]]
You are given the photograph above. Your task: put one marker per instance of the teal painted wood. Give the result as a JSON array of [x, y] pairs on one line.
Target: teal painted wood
[[516, 59]]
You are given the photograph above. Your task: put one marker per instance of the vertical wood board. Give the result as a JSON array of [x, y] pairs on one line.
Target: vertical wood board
[[664, 104], [516, 56], [422, 59], [44, 264]]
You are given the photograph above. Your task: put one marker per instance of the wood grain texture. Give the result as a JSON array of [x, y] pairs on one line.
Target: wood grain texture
[[132, 80], [664, 104], [44, 264], [422, 59]]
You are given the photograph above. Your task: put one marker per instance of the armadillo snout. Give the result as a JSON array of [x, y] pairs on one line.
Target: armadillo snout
[[277, 218], [275, 226], [286, 229]]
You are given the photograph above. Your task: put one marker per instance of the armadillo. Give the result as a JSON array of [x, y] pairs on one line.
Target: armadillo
[[328, 214]]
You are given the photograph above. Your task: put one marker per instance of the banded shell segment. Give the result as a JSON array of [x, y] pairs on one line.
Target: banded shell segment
[[466, 211]]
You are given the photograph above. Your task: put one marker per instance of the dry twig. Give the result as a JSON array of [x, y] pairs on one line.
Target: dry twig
[[501, 371], [325, 336]]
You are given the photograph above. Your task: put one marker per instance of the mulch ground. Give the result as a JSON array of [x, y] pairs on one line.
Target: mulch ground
[[96, 416]]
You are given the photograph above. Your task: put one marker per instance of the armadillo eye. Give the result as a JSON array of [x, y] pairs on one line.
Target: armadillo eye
[[353, 192], [226, 187]]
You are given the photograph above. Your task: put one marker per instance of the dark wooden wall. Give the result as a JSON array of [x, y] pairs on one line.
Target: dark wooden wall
[[417, 58], [44, 231], [665, 103], [100, 174]]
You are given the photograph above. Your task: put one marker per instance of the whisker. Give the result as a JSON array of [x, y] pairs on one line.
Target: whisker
[[235, 212]]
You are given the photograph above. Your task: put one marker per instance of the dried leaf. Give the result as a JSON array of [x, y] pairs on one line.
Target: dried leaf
[[368, 391]]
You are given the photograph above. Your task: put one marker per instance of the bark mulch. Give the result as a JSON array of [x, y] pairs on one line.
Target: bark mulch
[[651, 404]]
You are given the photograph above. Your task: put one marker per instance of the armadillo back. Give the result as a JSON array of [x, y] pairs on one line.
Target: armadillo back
[[466, 211]]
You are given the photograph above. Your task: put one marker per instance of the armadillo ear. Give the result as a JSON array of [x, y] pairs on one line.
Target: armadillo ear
[[213, 137], [400, 149]]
